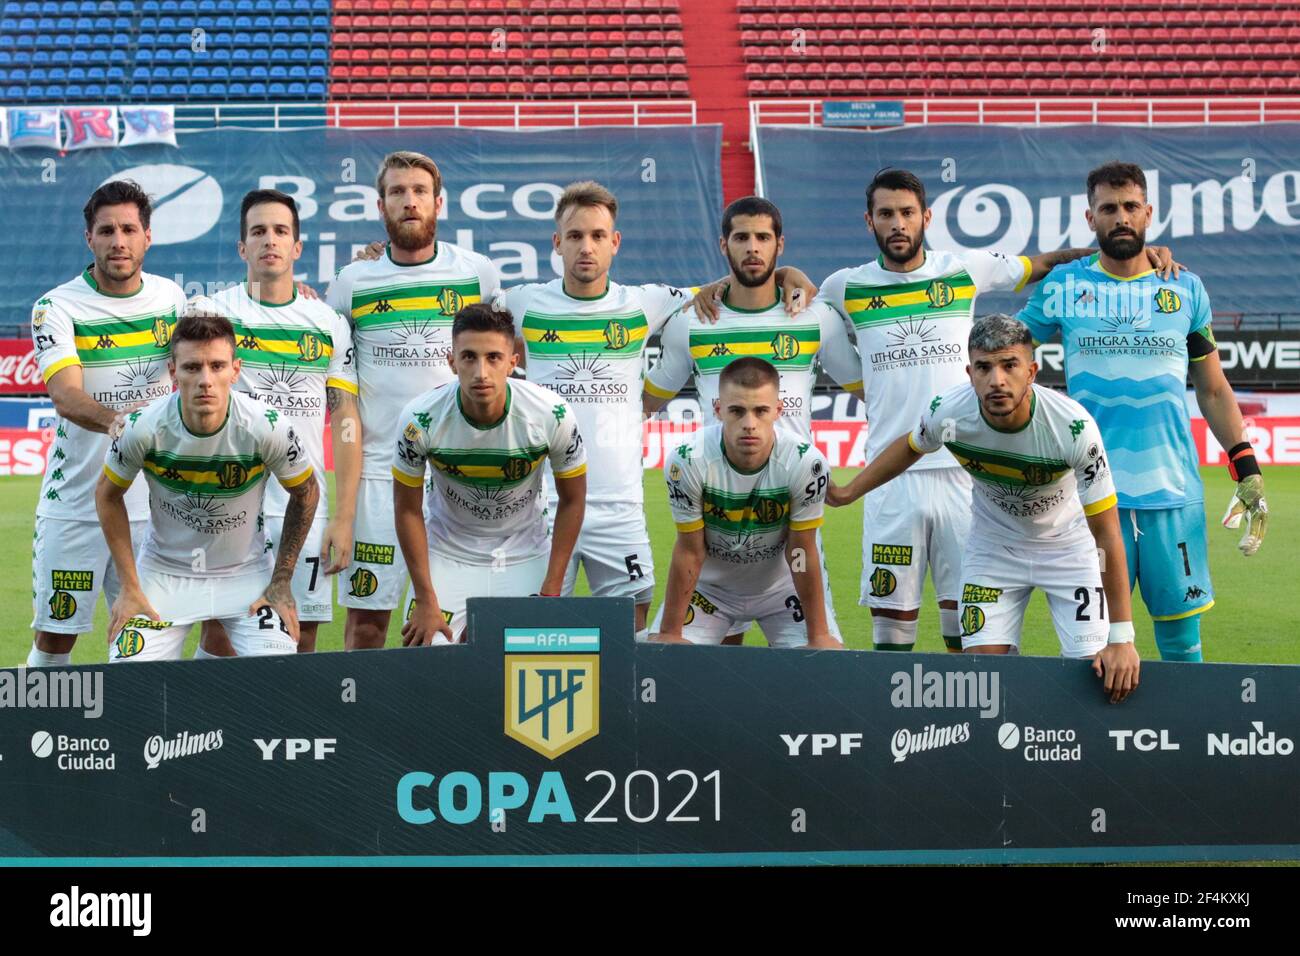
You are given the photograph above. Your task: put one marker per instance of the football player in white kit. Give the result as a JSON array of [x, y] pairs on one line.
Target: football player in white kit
[[295, 355], [484, 531], [911, 310], [1044, 510], [400, 307], [101, 344], [206, 453], [747, 498]]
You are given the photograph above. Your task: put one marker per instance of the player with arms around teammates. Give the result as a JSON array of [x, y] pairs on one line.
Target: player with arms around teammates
[[400, 308], [1131, 339], [912, 310], [101, 343], [296, 356], [1044, 509], [206, 453], [747, 498], [486, 438]]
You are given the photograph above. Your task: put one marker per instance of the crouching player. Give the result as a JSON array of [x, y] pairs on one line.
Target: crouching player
[[747, 500], [1043, 513], [486, 438], [206, 452]]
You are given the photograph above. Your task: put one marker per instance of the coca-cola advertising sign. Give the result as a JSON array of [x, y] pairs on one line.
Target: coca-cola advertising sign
[[19, 373]]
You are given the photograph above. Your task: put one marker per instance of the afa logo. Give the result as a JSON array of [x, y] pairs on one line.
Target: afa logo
[[310, 347], [411, 433], [616, 335], [883, 582], [162, 330], [129, 643], [972, 620], [768, 510], [552, 687], [515, 469], [674, 472], [940, 294], [450, 301], [231, 475], [62, 605], [1167, 300], [784, 347], [363, 582]]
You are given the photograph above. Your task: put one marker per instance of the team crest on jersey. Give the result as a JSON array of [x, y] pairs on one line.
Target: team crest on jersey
[[515, 468], [883, 582], [616, 335], [162, 332], [62, 605], [768, 510], [450, 301], [674, 472], [1037, 474], [310, 347], [129, 643], [784, 346], [411, 433], [939, 293], [1167, 300], [552, 687], [364, 583], [972, 620], [38, 314], [231, 475]]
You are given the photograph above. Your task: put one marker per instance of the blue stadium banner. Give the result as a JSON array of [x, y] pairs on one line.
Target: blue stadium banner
[[862, 113], [1226, 198], [501, 188], [552, 738]]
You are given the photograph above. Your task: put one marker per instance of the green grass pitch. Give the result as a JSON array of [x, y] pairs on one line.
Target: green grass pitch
[[1253, 620]]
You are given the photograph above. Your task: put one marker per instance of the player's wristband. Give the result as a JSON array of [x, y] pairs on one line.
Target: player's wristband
[[1241, 461], [1121, 632]]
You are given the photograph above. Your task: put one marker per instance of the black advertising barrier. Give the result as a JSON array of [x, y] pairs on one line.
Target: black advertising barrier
[[552, 738]]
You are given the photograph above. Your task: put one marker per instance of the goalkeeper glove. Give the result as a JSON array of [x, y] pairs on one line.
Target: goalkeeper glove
[[1248, 501]]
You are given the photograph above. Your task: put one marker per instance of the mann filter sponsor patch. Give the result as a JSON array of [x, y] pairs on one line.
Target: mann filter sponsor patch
[[73, 580], [891, 554], [372, 553]]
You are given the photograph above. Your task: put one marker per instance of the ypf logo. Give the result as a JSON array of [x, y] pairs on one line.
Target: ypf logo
[[552, 687], [186, 201]]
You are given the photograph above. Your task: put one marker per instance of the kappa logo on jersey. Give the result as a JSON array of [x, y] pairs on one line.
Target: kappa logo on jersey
[[883, 582], [550, 336], [310, 347], [72, 580], [382, 306], [450, 301], [1076, 429], [373, 553], [272, 416], [934, 405], [363, 582], [1167, 300], [877, 302], [939, 293], [552, 688], [559, 411], [803, 447], [684, 452], [232, 474], [104, 342], [891, 554], [129, 643], [719, 350], [249, 341], [616, 335], [62, 605], [1193, 593], [972, 620], [784, 346]]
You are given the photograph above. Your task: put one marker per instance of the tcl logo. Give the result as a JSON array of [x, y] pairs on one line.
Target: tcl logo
[[295, 747], [1143, 740]]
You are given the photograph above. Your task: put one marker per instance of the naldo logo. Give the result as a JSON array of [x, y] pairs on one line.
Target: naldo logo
[[186, 201]]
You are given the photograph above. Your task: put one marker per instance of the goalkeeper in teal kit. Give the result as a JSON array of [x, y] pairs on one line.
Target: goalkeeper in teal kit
[[1131, 339]]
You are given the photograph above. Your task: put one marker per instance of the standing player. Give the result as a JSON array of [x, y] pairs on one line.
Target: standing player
[[296, 356], [400, 308], [911, 309], [101, 343], [1131, 338], [486, 438], [206, 453], [747, 499], [1043, 512]]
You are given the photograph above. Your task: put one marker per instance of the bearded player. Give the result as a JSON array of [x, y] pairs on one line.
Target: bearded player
[[400, 308], [101, 344], [1131, 340]]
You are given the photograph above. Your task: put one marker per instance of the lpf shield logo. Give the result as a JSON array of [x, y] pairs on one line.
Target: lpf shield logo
[[552, 687]]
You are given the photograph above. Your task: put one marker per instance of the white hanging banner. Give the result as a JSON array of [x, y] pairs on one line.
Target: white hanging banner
[[35, 127], [148, 124], [90, 127], [4, 128]]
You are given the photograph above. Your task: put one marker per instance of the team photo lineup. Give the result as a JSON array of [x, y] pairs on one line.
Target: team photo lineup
[[189, 489]]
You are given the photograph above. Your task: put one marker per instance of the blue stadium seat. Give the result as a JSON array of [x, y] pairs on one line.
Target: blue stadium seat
[[42, 56], [34, 94], [219, 38], [38, 74], [54, 91], [208, 6], [8, 24], [318, 73], [296, 91], [278, 72], [70, 7], [49, 8], [236, 90], [141, 74], [318, 38], [321, 6], [157, 91], [199, 74], [65, 24], [8, 42], [31, 9], [57, 74], [243, 22], [320, 23], [77, 74], [261, 22], [302, 5], [118, 57], [162, 56], [24, 42], [121, 41], [257, 90], [4, 76], [316, 90], [13, 92], [193, 91], [189, 6], [94, 91], [83, 41], [280, 22], [124, 6], [6, 58], [261, 38], [238, 72], [115, 74], [27, 25], [121, 24], [104, 24], [226, 6], [280, 55], [139, 91], [84, 24], [148, 24], [245, 6], [242, 39], [297, 72], [73, 91], [220, 73], [97, 58], [277, 90], [320, 55], [223, 23], [170, 7], [184, 57], [280, 38], [217, 90], [64, 43], [113, 91], [258, 72], [161, 74], [150, 6], [143, 56]]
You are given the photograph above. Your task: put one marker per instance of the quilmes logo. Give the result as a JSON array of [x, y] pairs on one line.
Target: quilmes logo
[[1256, 744], [922, 687], [905, 742], [187, 202], [552, 687], [157, 748], [73, 690]]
